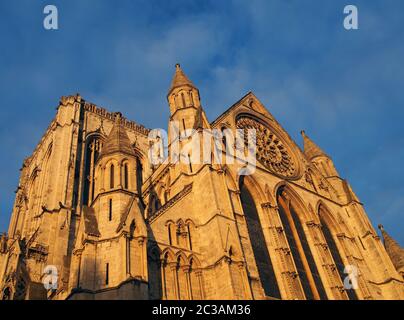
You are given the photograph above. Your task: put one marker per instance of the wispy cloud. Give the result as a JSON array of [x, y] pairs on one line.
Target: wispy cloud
[[342, 87]]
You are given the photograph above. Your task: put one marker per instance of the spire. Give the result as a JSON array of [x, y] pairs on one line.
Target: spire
[[311, 150], [180, 79], [118, 140], [394, 250]]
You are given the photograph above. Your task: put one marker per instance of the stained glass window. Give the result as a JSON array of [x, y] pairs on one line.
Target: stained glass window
[[260, 250], [336, 255], [290, 222]]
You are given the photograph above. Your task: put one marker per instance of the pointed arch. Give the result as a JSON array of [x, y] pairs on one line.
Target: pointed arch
[[304, 213], [112, 176], [126, 178], [328, 227], [46, 174], [167, 275], [180, 255], [171, 231], [195, 259], [323, 210], [195, 278], [93, 146], [33, 199], [161, 192], [181, 234], [263, 262], [181, 275], [191, 230], [168, 255], [293, 214]]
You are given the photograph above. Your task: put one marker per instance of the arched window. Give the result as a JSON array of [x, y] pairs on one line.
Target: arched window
[[183, 100], [126, 176], [181, 280], [195, 281], [301, 253], [191, 96], [170, 239], [33, 201], [93, 148], [189, 237], [224, 140], [32, 195], [260, 250], [154, 203], [110, 210], [139, 175], [332, 246], [112, 176]]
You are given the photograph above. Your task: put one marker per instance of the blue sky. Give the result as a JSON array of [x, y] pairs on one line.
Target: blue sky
[[343, 87]]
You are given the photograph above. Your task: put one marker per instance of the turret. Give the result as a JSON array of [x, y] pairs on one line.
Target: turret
[[318, 157], [185, 103], [325, 166], [113, 229], [115, 180], [394, 250], [116, 164]]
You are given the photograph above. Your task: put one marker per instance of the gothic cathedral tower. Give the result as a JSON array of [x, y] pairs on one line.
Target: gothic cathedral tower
[[94, 219]]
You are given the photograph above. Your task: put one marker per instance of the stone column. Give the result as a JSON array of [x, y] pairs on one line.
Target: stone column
[[173, 268], [120, 166], [142, 257], [163, 279], [102, 184], [186, 270]]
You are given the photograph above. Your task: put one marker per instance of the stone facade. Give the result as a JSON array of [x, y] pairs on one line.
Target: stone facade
[[114, 226]]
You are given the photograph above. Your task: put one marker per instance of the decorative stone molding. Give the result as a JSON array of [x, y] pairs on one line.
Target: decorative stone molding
[[272, 152], [111, 116], [187, 189], [313, 224], [268, 205], [64, 101]]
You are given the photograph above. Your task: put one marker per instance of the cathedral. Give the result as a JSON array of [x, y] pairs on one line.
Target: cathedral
[[94, 218]]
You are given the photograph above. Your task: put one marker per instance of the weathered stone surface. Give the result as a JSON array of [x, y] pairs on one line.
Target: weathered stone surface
[[117, 227]]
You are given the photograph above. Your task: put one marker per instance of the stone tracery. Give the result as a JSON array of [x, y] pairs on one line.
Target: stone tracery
[[271, 151]]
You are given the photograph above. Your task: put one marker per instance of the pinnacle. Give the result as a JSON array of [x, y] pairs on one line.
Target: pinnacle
[[311, 150], [180, 79]]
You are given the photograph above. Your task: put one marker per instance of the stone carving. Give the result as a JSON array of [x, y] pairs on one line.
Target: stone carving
[[187, 189], [38, 252], [271, 151], [3, 243]]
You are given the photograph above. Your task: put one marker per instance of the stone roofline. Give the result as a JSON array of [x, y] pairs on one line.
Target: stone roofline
[[224, 113], [129, 124], [89, 107]]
